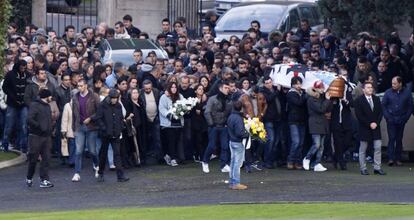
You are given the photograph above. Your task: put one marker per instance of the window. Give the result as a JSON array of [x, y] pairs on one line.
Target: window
[[239, 18], [293, 19], [284, 24], [318, 18], [306, 13]]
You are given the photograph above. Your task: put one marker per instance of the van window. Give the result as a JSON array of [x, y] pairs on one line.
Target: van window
[[307, 13], [239, 18], [318, 18], [293, 19], [284, 24]]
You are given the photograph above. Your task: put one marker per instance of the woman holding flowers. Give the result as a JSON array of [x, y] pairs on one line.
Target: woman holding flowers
[[171, 121]]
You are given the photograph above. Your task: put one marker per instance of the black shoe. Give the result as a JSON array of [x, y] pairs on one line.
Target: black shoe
[[364, 172], [248, 168], [379, 172], [269, 166], [343, 166], [29, 182], [335, 165], [257, 166], [100, 178], [45, 184], [123, 179]]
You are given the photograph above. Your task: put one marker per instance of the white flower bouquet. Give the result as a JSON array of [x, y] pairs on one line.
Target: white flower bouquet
[[182, 107]]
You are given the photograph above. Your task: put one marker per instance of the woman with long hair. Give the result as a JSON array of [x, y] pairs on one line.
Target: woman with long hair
[[244, 85], [205, 82], [137, 109], [88, 71], [50, 58], [199, 124], [81, 49], [171, 125]]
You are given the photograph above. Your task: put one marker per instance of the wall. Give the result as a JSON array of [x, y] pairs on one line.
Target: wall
[[146, 14]]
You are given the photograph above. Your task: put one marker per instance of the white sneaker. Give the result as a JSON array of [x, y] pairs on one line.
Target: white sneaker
[[226, 169], [112, 167], [174, 163], [213, 156], [319, 168], [96, 172], [76, 177], [205, 167], [167, 159], [306, 163]]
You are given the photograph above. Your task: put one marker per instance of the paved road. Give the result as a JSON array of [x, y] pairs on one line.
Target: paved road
[[187, 185]]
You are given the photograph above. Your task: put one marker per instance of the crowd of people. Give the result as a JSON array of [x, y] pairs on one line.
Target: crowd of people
[[59, 99]]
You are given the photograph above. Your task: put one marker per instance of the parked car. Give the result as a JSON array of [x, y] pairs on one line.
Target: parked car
[[223, 5], [275, 15], [121, 50]]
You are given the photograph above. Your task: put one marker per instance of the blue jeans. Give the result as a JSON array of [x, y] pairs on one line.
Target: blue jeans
[[13, 116], [72, 150], [213, 133], [81, 136], [237, 158], [395, 136], [273, 139], [316, 149], [297, 135]]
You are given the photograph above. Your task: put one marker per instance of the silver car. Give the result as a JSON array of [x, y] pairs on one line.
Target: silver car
[[276, 15], [121, 50], [223, 5]]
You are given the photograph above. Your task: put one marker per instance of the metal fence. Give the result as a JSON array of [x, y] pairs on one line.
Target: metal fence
[[190, 9], [79, 13]]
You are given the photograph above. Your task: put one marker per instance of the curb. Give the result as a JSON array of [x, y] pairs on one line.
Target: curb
[[16, 161]]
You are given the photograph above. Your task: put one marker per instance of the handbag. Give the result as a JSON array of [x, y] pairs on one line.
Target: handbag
[[64, 147]]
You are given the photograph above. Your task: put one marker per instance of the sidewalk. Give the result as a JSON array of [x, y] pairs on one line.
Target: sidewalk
[[159, 186]]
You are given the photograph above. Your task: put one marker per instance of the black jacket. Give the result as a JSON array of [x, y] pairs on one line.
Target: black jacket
[[341, 113], [274, 109], [133, 31], [235, 127], [39, 120], [150, 77], [198, 121], [32, 90], [14, 86], [296, 107], [157, 96], [217, 110], [63, 96], [109, 119], [138, 111], [366, 116]]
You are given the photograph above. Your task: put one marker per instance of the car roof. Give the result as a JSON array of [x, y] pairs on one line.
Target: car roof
[[123, 44]]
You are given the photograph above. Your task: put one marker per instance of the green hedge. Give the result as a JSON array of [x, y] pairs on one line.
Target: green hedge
[[5, 13]]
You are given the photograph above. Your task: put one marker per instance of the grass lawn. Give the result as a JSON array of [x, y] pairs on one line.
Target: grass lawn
[[239, 212], [7, 156]]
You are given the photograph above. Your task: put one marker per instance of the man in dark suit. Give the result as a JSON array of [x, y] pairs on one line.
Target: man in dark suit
[[368, 111]]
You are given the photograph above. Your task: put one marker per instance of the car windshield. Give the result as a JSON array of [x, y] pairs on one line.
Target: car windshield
[[239, 18]]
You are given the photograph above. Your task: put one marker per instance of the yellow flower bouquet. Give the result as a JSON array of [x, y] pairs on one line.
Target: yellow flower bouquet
[[256, 129]]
